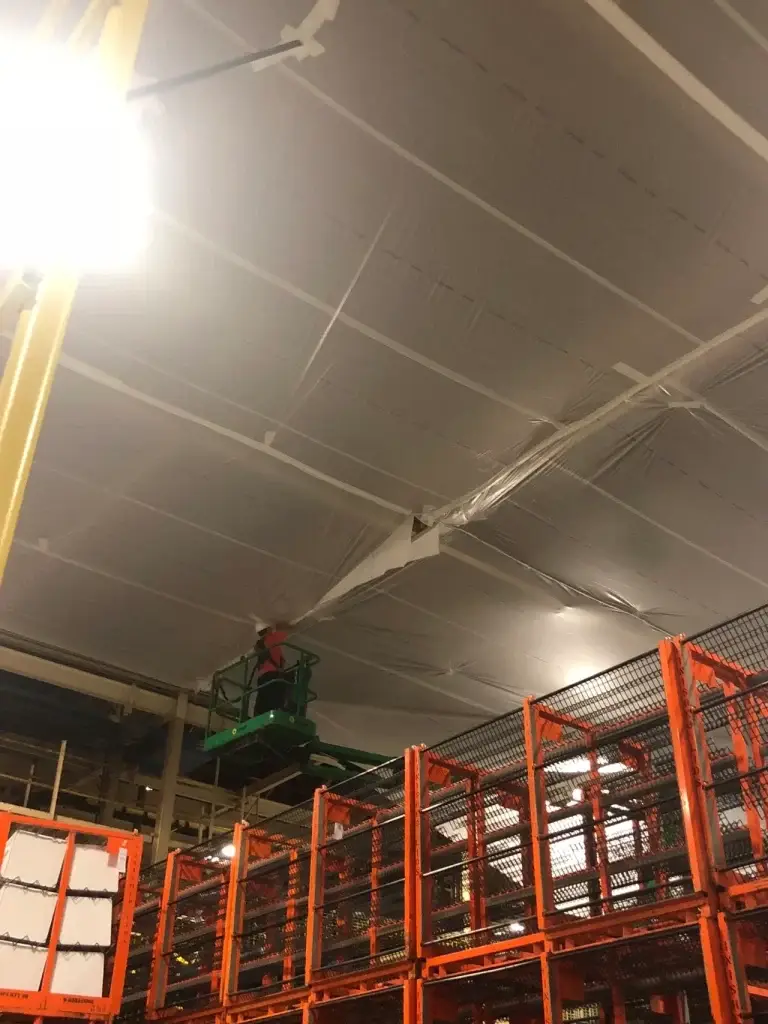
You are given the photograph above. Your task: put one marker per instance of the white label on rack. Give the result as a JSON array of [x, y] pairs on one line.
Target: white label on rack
[[122, 860]]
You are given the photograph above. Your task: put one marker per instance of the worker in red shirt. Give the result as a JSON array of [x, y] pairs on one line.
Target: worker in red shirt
[[273, 680]]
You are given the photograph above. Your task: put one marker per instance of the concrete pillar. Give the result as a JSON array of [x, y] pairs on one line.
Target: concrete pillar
[[173, 745]]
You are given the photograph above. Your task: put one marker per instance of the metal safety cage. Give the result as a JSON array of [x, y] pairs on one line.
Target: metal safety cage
[[361, 895], [476, 884], [190, 939], [747, 925], [605, 803], [722, 676], [658, 976], [121, 852], [394, 1005], [146, 919], [512, 992], [269, 915]]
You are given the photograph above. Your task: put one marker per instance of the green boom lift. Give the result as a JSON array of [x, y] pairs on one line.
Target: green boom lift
[[263, 724]]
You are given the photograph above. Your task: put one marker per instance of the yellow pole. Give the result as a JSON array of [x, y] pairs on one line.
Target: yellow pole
[[28, 376]]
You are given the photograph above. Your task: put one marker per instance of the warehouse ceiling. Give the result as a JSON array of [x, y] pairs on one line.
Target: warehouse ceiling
[[484, 264]]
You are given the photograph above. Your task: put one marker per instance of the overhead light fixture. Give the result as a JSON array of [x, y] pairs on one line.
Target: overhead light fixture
[[228, 851], [74, 177], [582, 765], [571, 766]]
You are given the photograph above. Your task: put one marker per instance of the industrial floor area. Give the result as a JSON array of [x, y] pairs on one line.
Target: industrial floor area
[[383, 489]]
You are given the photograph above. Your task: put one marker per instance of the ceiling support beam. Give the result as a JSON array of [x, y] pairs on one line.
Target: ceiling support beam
[[685, 80], [127, 695]]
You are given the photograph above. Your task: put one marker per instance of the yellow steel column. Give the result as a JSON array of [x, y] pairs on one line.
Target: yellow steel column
[[27, 380]]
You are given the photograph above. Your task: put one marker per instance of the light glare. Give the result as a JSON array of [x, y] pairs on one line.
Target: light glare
[[74, 178]]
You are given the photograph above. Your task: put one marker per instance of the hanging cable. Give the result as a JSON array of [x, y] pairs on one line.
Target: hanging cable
[[167, 84]]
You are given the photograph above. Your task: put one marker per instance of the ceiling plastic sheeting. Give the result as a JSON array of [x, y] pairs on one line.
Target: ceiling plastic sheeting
[[483, 266]]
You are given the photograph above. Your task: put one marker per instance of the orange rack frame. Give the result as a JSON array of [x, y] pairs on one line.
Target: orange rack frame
[[598, 855], [44, 1002]]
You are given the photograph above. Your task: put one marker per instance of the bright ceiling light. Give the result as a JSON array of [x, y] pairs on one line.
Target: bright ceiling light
[[74, 176], [228, 851], [570, 766], [613, 769]]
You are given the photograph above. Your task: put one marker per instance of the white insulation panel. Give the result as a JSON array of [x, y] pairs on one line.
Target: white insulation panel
[[78, 974], [33, 858], [21, 967], [26, 913], [87, 921], [94, 870]]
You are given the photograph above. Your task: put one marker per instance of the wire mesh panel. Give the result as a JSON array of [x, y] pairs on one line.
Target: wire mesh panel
[[510, 993], [366, 1008], [736, 730], [476, 869], [613, 823], [190, 954], [271, 918], [608, 805], [743, 640], [360, 872], [651, 978], [748, 922], [138, 975], [726, 686], [620, 696]]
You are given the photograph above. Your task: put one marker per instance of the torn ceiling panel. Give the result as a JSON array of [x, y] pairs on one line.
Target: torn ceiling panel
[[450, 250]]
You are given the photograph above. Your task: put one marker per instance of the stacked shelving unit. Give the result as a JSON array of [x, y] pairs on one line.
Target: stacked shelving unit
[[67, 893], [598, 855]]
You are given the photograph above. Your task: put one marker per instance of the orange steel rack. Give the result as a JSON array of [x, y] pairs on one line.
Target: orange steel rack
[[599, 855], [20, 1004]]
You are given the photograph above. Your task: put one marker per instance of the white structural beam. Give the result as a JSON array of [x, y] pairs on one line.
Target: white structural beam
[[642, 41], [127, 695]]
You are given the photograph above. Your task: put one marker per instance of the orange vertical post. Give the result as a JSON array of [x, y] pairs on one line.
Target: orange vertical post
[[316, 885], [542, 868], [735, 968], [221, 938], [686, 765], [598, 823], [133, 848], [163, 934], [686, 747], [373, 923], [410, 1001], [232, 917], [412, 924], [291, 916], [423, 845], [552, 1003], [58, 915]]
